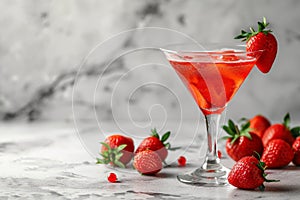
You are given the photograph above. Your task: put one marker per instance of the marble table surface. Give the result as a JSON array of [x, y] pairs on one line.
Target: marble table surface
[[49, 161]]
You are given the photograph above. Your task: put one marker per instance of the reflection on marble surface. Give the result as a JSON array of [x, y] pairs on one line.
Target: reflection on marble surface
[[43, 43]]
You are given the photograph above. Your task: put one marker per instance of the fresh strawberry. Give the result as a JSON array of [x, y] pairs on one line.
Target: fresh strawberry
[[296, 149], [261, 39], [241, 143], [156, 144], [277, 154], [116, 150], [147, 162], [258, 125], [248, 173], [279, 131]]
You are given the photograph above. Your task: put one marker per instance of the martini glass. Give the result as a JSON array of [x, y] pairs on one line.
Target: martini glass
[[213, 74]]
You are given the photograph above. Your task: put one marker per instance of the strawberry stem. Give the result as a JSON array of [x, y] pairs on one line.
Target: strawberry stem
[[265, 21]]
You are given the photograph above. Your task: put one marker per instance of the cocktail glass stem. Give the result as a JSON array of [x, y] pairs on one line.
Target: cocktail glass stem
[[211, 172], [212, 126]]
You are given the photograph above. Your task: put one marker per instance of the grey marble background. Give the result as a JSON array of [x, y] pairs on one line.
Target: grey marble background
[[43, 44]]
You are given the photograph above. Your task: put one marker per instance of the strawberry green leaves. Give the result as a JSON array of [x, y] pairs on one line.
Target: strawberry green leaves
[[163, 139], [112, 155], [165, 136], [234, 131], [262, 166], [295, 132], [287, 121], [240, 142], [245, 36]]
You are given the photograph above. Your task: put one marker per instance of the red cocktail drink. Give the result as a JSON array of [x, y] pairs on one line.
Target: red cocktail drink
[[213, 78]]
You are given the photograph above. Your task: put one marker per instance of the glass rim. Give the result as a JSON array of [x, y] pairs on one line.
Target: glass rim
[[218, 49]]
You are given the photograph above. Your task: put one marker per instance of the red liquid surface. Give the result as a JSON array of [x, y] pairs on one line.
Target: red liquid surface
[[213, 82]]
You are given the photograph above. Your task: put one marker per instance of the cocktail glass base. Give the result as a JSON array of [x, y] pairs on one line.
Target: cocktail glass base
[[210, 175]]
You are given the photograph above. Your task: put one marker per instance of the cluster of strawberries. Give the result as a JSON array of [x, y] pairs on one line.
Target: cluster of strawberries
[[275, 145], [148, 158], [258, 144]]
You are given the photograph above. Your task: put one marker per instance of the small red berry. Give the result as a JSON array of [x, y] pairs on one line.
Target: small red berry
[[181, 161], [219, 154], [112, 177]]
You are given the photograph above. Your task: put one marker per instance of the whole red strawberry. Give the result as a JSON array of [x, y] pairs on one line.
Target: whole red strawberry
[[261, 39], [258, 125], [248, 173], [147, 162], [279, 131], [156, 144], [296, 149], [277, 154], [241, 143], [116, 150]]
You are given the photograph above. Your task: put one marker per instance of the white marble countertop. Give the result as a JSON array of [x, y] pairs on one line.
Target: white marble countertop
[[48, 161]]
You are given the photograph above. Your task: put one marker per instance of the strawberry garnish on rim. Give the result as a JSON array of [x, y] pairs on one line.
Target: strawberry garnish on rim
[[262, 39]]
